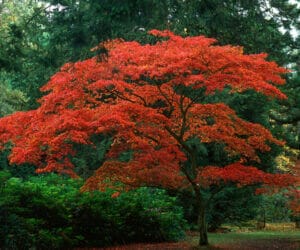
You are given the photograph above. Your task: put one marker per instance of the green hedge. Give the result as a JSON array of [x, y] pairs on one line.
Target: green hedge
[[49, 212]]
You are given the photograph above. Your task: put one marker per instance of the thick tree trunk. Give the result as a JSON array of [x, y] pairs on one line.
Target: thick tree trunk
[[201, 219], [298, 223], [200, 203], [202, 226]]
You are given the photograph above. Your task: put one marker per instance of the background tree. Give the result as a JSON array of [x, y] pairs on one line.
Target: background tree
[[37, 38], [24, 59], [48, 34], [10, 100], [255, 25]]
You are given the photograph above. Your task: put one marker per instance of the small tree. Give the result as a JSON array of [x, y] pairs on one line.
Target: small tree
[[151, 100]]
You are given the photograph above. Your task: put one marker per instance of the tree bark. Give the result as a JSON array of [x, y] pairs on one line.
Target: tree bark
[[203, 241], [298, 223], [202, 226]]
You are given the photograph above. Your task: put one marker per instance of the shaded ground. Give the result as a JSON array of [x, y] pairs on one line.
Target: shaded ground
[[280, 244], [267, 244], [261, 240], [157, 246]]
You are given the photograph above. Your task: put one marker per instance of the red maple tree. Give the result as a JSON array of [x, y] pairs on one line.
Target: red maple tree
[[140, 95]]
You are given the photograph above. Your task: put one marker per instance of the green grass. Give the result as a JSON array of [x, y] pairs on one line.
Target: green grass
[[251, 240], [258, 240], [233, 237]]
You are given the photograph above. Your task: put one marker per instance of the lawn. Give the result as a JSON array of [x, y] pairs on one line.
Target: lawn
[[288, 240], [264, 240]]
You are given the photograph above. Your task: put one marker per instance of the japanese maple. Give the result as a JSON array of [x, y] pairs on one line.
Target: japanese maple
[[147, 98]]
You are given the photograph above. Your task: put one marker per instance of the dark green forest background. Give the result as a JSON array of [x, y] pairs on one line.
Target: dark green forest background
[[37, 38]]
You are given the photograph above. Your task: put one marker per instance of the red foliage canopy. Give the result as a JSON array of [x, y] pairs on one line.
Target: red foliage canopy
[[135, 95]]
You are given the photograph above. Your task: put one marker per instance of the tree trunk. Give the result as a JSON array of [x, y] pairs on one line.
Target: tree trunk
[[200, 203], [202, 226], [201, 219], [298, 223]]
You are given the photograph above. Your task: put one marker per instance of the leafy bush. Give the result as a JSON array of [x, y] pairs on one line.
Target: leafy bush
[[274, 208], [34, 212], [49, 212], [142, 215]]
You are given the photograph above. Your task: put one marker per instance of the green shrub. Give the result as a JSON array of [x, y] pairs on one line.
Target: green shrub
[[142, 215], [49, 212], [33, 212], [274, 208]]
